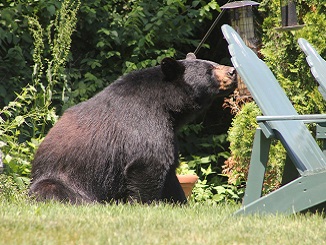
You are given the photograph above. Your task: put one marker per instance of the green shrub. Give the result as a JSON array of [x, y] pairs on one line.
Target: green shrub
[[25, 121], [207, 153], [282, 53], [241, 136], [11, 191], [111, 38]]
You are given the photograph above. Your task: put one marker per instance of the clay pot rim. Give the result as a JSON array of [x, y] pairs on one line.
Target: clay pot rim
[[187, 178]]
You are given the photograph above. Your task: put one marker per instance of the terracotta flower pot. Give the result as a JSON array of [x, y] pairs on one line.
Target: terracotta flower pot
[[187, 182]]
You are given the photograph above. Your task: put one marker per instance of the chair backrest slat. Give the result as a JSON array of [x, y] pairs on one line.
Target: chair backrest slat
[[272, 100], [316, 63]]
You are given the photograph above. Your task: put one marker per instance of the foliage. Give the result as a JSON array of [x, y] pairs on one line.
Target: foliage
[[24, 121], [16, 41], [287, 61], [282, 54], [21, 129], [221, 193], [58, 34], [111, 38], [241, 135], [130, 35], [10, 191], [207, 154]]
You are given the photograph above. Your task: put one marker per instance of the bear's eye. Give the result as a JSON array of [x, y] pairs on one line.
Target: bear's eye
[[209, 70]]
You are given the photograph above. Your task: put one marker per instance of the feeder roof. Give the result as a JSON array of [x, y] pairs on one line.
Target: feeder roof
[[238, 4]]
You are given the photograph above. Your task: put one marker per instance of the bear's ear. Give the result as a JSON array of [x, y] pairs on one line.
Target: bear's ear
[[172, 69], [190, 56]]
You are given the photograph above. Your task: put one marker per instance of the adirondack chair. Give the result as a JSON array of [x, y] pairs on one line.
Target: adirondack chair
[[304, 176], [318, 69], [316, 63]]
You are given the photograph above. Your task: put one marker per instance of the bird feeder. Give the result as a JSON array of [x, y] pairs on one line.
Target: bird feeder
[[289, 15], [242, 20]]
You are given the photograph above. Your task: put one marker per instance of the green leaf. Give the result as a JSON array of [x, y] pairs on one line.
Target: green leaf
[[51, 10], [195, 3], [19, 120], [2, 144], [7, 159], [218, 197], [220, 189], [205, 160], [105, 31]]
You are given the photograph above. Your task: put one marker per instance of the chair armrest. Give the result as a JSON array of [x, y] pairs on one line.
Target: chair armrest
[[312, 118], [320, 119]]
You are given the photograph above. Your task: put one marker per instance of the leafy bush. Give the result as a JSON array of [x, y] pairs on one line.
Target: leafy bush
[[203, 155], [25, 121], [16, 57], [282, 53], [11, 191], [21, 132], [241, 135], [111, 37]]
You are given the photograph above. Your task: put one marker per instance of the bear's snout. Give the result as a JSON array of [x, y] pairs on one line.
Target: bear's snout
[[226, 76], [232, 72]]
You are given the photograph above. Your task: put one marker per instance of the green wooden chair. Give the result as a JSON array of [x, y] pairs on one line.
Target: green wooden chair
[[318, 69], [304, 177], [316, 63]]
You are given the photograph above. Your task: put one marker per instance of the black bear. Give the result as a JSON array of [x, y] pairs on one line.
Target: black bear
[[121, 144]]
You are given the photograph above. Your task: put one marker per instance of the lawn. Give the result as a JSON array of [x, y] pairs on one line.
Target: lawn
[[23, 221]]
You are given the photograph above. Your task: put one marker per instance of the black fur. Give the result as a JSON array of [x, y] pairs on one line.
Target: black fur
[[121, 144]]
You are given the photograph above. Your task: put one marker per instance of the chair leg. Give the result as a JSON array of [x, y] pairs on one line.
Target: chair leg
[[290, 172], [257, 168], [321, 134], [304, 192]]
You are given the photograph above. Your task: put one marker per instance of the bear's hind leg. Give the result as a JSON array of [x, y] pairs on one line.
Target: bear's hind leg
[[144, 185], [52, 189], [172, 191]]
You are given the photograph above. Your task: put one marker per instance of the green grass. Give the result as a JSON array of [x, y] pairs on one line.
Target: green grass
[[23, 221]]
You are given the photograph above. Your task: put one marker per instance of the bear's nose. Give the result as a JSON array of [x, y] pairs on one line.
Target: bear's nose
[[232, 72]]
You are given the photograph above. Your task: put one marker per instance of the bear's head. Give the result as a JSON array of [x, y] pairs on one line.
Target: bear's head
[[205, 77]]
